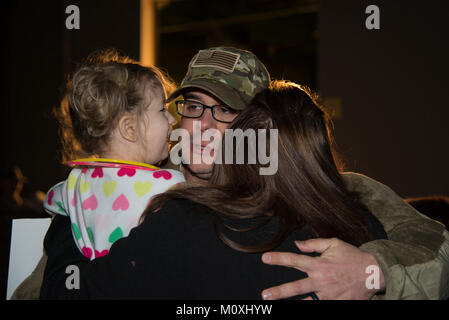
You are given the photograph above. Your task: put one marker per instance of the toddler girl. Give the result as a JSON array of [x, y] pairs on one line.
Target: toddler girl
[[115, 116]]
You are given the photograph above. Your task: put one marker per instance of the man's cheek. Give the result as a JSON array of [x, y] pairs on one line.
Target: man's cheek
[[222, 127]]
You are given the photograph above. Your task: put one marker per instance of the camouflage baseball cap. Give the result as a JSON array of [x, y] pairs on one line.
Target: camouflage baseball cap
[[232, 75]]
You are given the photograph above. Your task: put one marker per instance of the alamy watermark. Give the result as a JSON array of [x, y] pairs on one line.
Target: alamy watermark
[[73, 280], [207, 147], [73, 19], [372, 22], [373, 280]]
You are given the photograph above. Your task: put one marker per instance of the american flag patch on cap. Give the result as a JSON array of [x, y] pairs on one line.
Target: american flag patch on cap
[[222, 60]]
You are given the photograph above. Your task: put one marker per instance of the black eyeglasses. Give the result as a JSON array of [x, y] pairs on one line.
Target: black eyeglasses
[[194, 109]]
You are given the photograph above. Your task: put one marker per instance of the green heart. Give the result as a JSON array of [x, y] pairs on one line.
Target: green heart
[[84, 186], [61, 207], [90, 234], [115, 235], [76, 231], [142, 188], [109, 187]]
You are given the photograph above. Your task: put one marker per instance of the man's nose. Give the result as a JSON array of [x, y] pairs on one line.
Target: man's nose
[[207, 120]]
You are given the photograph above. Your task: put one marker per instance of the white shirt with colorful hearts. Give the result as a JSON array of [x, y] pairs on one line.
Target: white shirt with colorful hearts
[[104, 203]]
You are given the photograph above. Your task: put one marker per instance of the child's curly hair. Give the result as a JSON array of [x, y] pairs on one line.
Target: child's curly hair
[[105, 85]]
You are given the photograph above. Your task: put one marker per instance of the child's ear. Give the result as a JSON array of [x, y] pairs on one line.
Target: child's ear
[[127, 126]]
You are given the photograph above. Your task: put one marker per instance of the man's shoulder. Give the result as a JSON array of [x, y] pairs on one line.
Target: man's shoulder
[[383, 202], [357, 178], [362, 184]]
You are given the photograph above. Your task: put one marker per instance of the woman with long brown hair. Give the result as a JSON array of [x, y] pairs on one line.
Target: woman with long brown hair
[[307, 189], [205, 241]]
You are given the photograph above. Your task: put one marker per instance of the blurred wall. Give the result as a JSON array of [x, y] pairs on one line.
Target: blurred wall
[[39, 53], [393, 86], [391, 82]]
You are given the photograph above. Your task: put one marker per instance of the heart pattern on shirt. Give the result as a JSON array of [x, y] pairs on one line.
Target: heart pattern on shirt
[[71, 182], [50, 197], [90, 203], [162, 173], [98, 172], [109, 187], [84, 186], [121, 203], [99, 254], [115, 235], [87, 252], [76, 231], [142, 188], [126, 171]]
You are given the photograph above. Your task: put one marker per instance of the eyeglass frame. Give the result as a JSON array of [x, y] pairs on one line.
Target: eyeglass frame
[[204, 108]]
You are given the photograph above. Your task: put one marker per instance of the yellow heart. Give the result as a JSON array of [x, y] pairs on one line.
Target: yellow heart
[[71, 182], [109, 187], [84, 186], [142, 188]]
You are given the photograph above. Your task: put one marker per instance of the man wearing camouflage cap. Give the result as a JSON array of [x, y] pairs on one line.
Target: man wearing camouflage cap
[[414, 263], [223, 78]]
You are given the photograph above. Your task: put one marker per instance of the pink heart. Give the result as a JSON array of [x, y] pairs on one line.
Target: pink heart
[[162, 173], [120, 203], [98, 172], [90, 203], [50, 197], [84, 170], [99, 254], [87, 252], [126, 171], [73, 202]]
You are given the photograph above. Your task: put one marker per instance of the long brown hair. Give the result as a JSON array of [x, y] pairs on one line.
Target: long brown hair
[[307, 189]]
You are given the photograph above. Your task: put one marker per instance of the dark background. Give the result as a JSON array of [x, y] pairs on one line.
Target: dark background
[[387, 88]]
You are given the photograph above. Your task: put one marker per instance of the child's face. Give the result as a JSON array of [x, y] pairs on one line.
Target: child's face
[[155, 126]]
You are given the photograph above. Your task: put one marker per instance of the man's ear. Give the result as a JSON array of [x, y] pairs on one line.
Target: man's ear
[[127, 127]]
